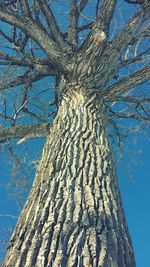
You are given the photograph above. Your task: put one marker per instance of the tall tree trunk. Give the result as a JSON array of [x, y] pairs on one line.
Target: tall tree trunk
[[74, 215]]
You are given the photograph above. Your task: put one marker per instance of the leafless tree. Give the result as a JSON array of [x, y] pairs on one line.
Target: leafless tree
[[92, 67]]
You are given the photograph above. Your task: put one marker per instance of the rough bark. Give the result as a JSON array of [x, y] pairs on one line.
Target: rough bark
[[74, 215]]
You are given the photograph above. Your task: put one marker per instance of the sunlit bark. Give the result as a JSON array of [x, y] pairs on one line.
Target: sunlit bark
[[74, 215]]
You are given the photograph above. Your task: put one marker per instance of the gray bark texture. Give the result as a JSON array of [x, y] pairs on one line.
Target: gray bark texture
[[74, 215]]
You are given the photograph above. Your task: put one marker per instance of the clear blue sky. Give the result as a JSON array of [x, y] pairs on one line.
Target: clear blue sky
[[135, 191], [134, 179]]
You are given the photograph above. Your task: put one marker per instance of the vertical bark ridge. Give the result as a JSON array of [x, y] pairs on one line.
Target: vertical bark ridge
[[74, 215]]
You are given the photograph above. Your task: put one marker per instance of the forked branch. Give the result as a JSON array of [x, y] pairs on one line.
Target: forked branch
[[52, 23], [127, 84], [40, 36], [28, 78], [109, 62]]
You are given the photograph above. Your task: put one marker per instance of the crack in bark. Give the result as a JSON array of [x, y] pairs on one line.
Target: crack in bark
[[73, 212]]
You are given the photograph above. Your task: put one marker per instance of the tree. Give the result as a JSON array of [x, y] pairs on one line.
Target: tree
[[74, 214]]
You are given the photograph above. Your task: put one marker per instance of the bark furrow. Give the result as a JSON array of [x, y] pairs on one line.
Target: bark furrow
[[74, 215]]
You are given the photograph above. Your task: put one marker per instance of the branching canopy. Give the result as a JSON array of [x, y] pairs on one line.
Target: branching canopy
[[35, 45]]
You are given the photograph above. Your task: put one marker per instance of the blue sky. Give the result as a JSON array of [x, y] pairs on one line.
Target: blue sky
[[134, 180], [134, 186]]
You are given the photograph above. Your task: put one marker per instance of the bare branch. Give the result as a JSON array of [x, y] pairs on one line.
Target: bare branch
[[27, 61], [105, 14], [27, 78], [118, 133], [95, 43], [138, 57], [131, 116], [127, 84], [6, 36], [75, 12], [25, 7], [82, 5], [114, 51], [41, 37], [134, 1], [72, 29], [28, 131], [13, 60], [80, 28], [51, 21], [132, 99], [35, 115]]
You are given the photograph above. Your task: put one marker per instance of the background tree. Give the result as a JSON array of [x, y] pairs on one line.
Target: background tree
[[73, 215]]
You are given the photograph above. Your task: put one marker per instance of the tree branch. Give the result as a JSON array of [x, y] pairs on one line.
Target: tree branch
[[51, 21], [132, 99], [131, 116], [75, 12], [127, 84], [80, 28], [105, 14], [82, 5], [138, 57], [113, 52], [14, 60], [95, 43], [73, 22], [27, 61], [25, 7], [41, 37], [6, 37], [43, 71], [25, 131], [134, 1]]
